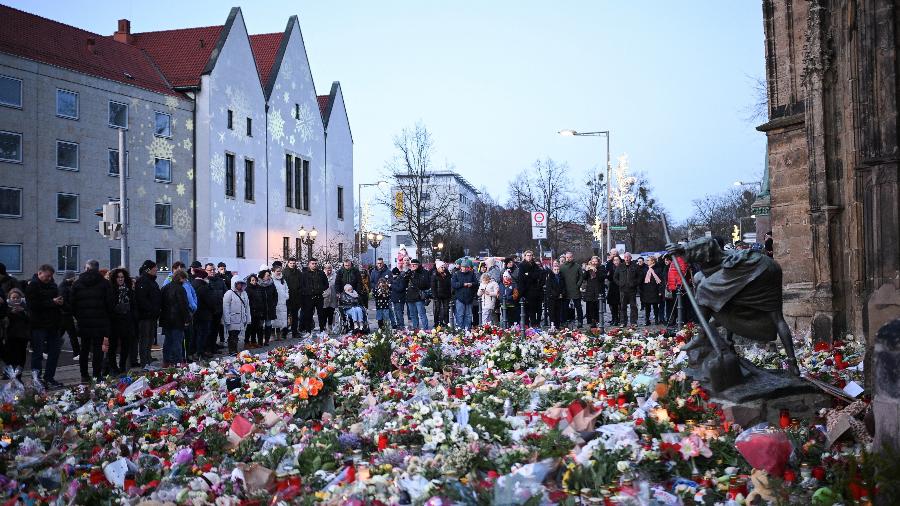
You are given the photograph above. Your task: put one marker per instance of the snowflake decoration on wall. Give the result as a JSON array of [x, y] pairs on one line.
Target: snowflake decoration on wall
[[171, 102], [276, 125], [180, 189], [187, 144], [190, 174], [218, 231], [287, 97], [189, 125], [217, 168], [181, 220], [292, 139], [305, 123], [238, 103], [141, 191], [160, 148]]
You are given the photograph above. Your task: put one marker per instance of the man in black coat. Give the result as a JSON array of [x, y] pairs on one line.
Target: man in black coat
[[291, 275], [313, 283], [203, 316], [92, 305], [627, 276], [349, 274], [174, 318], [44, 304], [217, 289], [147, 303], [612, 296], [531, 282]]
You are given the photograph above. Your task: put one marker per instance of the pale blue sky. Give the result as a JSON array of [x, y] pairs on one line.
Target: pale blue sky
[[494, 81]]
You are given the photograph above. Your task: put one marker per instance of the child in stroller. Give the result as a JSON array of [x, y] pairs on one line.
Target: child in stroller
[[348, 304]]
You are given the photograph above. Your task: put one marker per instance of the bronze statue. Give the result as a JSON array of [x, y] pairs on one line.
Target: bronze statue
[[742, 290]]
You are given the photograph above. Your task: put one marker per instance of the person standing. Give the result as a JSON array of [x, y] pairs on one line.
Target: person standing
[[256, 296], [329, 299], [509, 300], [674, 286], [67, 321], [7, 282], [571, 272], [123, 324], [769, 244], [488, 292], [416, 282], [398, 297], [378, 271], [463, 283], [612, 295], [45, 303], [281, 310], [494, 270], [440, 290], [174, 318], [651, 291], [628, 279], [555, 295], [18, 330], [236, 312], [292, 278], [382, 295], [217, 289], [313, 284], [92, 305], [148, 303], [592, 286], [203, 317], [531, 279], [270, 307]]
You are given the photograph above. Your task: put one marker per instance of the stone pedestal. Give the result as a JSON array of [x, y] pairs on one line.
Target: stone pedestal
[[750, 413], [886, 405]]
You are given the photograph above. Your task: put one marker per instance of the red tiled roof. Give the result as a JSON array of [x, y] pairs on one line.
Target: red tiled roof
[[47, 41], [323, 104], [265, 49], [180, 54]]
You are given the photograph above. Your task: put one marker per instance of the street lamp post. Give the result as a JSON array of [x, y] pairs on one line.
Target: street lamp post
[[375, 241], [573, 133], [741, 224], [440, 250], [308, 238], [361, 237]]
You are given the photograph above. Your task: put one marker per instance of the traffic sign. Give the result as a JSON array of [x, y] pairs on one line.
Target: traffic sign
[[618, 227], [538, 232], [538, 219]]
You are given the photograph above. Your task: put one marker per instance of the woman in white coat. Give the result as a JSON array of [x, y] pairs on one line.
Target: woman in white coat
[[281, 312], [235, 312]]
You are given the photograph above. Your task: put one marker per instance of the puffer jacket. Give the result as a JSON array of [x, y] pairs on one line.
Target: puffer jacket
[[488, 294], [398, 287], [464, 294], [281, 311], [206, 300], [235, 307], [674, 281], [45, 314], [416, 283], [509, 294], [92, 303], [263, 298], [440, 285]]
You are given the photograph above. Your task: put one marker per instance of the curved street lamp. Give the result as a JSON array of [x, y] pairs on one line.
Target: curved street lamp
[[308, 238], [375, 239]]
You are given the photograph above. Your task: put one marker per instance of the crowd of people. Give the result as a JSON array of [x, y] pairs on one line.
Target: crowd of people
[[113, 320]]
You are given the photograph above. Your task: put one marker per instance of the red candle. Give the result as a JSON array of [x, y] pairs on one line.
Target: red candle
[[789, 476], [459, 392], [784, 420], [351, 473], [838, 357], [621, 400], [382, 442]]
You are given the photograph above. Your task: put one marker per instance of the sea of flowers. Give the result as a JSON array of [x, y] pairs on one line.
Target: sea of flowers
[[438, 417]]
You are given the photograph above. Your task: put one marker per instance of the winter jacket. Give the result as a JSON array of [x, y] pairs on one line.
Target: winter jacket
[[554, 286], [440, 285], [398, 287], [531, 280], [45, 314], [217, 289], [92, 303], [488, 294], [416, 282], [263, 299], [207, 304], [174, 312], [345, 300], [464, 294], [281, 311], [123, 304], [509, 294], [19, 324], [189, 291], [7, 283], [377, 274], [593, 283], [628, 278], [571, 271], [674, 281], [652, 292], [382, 297], [292, 278], [350, 277], [235, 308], [329, 296], [313, 283], [496, 273], [147, 298]]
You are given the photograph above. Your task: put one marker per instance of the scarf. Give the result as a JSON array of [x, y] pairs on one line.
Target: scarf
[[651, 272]]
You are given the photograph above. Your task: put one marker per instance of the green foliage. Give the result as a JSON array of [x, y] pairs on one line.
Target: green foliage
[[379, 362], [215, 440], [246, 448], [496, 428], [434, 358], [553, 444], [319, 454]]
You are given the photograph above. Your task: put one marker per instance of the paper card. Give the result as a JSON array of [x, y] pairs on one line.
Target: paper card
[[853, 389], [841, 425], [115, 472], [240, 428]]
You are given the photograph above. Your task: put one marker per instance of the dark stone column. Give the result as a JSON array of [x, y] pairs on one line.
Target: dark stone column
[[886, 404]]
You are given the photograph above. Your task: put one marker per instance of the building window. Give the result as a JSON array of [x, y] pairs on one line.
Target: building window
[[249, 127], [115, 257], [113, 165], [67, 104], [230, 119], [229, 175], [285, 247], [239, 245], [66, 207], [185, 256], [66, 155], [297, 183], [296, 111], [11, 255], [10, 91], [118, 114], [340, 202], [10, 202], [67, 258], [298, 247], [248, 180], [163, 125], [10, 147], [164, 259], [163, 215], [162, 170]]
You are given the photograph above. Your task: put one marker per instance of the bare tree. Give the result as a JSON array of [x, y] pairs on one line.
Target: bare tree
[[592, 199], [420, 205], [545, 187], [640, 214], [719, 213], [759, 109]]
